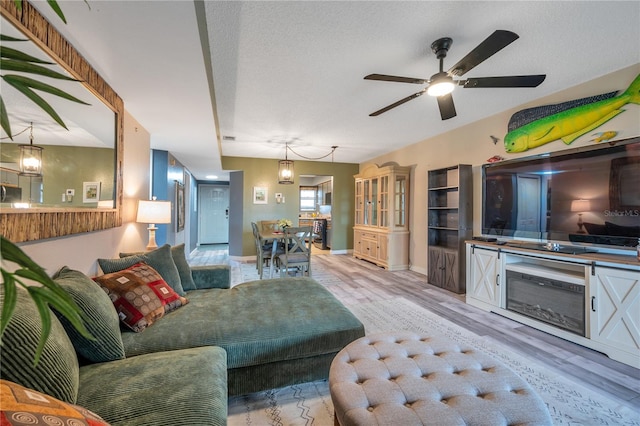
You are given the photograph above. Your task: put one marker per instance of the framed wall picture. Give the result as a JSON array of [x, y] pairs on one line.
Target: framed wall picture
[[179, 206], [90, 192], [260, 195]]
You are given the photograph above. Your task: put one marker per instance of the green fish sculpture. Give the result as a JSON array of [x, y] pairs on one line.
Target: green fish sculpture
[[567, 121]]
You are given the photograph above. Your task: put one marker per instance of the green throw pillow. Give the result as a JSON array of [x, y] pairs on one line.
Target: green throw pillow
[[180, 259], [159, 259], [101, 318], [57, 372]]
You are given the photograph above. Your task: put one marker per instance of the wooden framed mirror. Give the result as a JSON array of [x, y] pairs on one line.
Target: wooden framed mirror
[[35, 223]]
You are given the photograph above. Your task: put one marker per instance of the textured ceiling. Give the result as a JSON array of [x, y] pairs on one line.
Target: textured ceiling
[[293, 71]]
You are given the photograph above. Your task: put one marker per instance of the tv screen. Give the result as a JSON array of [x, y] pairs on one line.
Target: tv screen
[[584, 195]]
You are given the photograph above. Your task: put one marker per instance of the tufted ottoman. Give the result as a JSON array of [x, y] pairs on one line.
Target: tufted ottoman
[[405, 378]]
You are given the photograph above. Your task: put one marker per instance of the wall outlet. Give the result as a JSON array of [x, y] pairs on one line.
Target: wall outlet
[[71, 192]]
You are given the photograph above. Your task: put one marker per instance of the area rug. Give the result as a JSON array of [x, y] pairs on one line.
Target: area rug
[[243, 272], [310, 403]]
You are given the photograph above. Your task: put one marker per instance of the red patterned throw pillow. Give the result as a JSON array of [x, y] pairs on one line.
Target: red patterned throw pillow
[[22, 406], [140, 295]]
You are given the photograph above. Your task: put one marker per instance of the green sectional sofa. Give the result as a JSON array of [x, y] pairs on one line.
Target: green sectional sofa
[[181, 369]]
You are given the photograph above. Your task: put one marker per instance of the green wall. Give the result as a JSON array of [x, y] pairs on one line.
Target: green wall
[[264, 173], [67, 167]]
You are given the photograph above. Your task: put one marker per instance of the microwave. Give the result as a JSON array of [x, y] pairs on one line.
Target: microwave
[[10, 194]]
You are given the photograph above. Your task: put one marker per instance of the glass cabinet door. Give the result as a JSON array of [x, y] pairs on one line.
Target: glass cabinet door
[[366, 191], [374, 202], [384, 201], [359, 207], [400, 202]]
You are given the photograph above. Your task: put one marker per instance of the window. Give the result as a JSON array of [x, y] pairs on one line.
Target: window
[[308, 198]]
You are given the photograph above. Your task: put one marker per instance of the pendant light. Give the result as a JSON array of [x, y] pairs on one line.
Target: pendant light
[[285, 168], [31, 158]]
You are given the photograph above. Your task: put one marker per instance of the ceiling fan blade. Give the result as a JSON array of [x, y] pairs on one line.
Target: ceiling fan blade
[[447, 108], [490, 46], [395, 79], [511, 81], [395, 104]]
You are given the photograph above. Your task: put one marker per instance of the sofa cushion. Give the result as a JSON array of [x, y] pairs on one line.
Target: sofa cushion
[[595, 228], [187, 387], [160, 259], [100, 317], [180, 260], [140, 295], [622, 231], [184, 270], [256, 322], [57, 371], [21, 406]]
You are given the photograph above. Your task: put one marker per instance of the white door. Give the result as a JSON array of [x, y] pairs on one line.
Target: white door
[[213, 214], [529, 202]]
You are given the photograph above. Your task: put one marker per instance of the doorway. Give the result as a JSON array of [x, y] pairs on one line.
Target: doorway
[[213, 215]]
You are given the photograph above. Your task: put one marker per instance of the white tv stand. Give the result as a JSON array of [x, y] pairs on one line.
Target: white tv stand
[[611, 292]]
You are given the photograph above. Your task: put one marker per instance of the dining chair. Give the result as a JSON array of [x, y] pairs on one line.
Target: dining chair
[[263, 250], [297, 251], [269, 225]]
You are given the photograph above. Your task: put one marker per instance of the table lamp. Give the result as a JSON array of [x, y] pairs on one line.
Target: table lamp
[[580, 206], [152, 212]]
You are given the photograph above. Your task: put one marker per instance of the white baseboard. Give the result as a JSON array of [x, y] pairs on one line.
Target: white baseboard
[[422, 271], [341, 251]]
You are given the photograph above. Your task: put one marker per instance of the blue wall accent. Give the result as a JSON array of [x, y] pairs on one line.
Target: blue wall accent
[[192, 212], [160, 188], [236, 209]]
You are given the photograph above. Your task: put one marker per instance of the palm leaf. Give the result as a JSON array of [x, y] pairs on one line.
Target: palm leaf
[[35, 98], [66, 306], [27, 67], [4, 119], [9, 38], [10, 53], [9, 302], [56, 7], [45, 317], [38, 85], [12, 253]]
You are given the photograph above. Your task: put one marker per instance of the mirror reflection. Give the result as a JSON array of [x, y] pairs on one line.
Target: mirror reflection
[[78, 164]]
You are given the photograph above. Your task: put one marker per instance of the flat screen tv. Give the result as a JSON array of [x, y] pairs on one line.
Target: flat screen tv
[[587, 195]]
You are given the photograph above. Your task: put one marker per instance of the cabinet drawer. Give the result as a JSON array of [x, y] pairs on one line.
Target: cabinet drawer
[[369, 236]]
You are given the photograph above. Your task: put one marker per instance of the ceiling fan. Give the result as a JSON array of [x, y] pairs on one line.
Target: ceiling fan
[[441, 85]]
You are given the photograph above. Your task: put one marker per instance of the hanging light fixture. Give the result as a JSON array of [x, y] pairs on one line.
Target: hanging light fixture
[[285, 168], [31, 158]]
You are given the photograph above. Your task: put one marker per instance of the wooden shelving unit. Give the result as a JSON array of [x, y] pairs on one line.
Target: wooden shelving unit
[[450, 223]]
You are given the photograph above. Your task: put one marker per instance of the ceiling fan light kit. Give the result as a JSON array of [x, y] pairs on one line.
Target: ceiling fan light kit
[[442, 84]]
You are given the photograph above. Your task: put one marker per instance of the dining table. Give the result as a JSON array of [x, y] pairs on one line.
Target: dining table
[[274, 237]]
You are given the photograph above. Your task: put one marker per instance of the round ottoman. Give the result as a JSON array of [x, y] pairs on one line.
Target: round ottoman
[[404, 378]]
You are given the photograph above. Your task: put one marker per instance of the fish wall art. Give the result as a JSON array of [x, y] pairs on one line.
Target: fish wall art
[[567, 121]]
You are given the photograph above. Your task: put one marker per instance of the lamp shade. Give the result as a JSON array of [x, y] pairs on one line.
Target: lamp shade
[[580, 206], [152, 211]]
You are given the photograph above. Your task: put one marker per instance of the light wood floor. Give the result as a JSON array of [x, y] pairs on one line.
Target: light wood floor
[[365, 282]]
